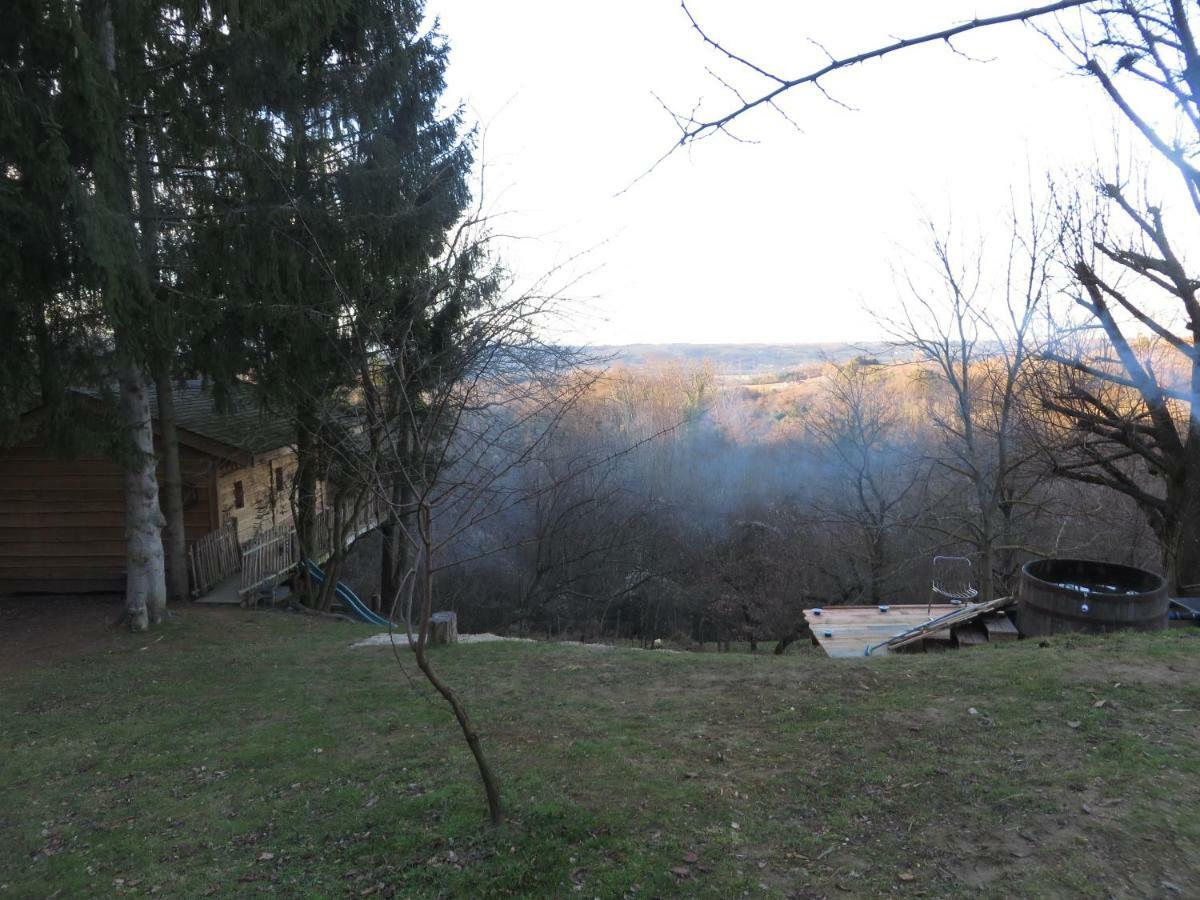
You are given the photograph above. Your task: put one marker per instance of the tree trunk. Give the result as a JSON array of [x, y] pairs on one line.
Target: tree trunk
[[328, 589], [145, 583], [174, 541], [491, 786], [1181, 543], [306, 484], [145, 579], [986, 566], [788, 639], [337, 553], [173, 536], [389, 563], [397, 534], [876, 562]]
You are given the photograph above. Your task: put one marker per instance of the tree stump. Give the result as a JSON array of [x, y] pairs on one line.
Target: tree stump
[[443, 628]]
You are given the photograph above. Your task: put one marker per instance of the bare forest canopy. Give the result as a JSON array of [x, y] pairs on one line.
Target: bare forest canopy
[[669, 501], [750, 360]]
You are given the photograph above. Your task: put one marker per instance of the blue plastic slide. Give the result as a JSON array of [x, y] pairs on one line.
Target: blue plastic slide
[[357, 608]]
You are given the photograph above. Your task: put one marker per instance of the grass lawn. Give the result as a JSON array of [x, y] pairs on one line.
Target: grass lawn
[[255, 753]]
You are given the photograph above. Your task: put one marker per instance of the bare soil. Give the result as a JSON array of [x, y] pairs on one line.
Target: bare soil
[[38, 630]]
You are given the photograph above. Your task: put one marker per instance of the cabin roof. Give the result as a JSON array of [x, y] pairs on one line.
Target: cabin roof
[[236, 428], [240, 422]]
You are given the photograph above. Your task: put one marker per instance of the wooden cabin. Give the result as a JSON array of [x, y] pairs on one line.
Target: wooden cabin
[[62, 521]]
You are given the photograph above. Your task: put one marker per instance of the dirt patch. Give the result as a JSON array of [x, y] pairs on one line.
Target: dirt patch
[[40, 630], [1145, 672], [37, 631]]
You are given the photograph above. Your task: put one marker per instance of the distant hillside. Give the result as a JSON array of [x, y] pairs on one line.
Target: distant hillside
[[747, 360]]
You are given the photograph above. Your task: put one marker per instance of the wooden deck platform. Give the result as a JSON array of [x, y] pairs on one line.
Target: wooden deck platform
[[848, 630], [224, 592]]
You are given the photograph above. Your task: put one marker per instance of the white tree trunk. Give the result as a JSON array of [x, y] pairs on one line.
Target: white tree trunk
[[145, 576]]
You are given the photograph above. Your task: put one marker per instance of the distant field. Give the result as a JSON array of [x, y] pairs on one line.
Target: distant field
[[240, 753]]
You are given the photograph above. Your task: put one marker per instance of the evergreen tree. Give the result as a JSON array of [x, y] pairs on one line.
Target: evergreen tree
[[335, 183], [37, 250], [79, 289]]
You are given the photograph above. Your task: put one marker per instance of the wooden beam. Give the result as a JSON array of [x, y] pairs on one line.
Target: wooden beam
[[999, 627], [970, 635]]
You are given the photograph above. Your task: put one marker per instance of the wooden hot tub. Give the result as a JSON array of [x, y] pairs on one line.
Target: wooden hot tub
[[1057, 595]]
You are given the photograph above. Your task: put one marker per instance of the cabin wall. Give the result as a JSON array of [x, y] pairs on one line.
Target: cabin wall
[[264, 504], [62, 522]]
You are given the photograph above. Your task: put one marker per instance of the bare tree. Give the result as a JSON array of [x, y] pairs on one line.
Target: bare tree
[[1131, 395], [768, 88], [452, 422], [977, 336], [859, 426], [1143, 55]]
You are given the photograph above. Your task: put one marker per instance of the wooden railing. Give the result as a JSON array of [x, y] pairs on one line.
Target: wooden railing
[[275, 551], [214, 557], [267, 556], [348, 526]]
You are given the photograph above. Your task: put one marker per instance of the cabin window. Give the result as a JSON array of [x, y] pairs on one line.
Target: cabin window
[[279, 481], [239, 495]]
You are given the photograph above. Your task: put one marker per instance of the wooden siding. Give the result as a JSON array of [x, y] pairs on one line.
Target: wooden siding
[[264, 506], [62, 522]]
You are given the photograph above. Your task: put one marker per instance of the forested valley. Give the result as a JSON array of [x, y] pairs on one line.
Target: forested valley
[[671, 502]]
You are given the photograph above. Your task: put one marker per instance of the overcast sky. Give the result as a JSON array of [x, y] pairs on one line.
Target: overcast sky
[[788, 239]]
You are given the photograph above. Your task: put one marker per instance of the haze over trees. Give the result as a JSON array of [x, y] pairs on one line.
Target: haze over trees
[[838, 485], [1123, 400]]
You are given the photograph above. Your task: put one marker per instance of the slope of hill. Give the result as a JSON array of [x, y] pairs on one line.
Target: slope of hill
[[259, 753]]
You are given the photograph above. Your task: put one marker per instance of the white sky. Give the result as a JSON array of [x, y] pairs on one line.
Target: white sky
[[786, 240]]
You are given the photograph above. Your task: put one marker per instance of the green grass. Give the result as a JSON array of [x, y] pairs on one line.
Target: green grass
[[248, 753]]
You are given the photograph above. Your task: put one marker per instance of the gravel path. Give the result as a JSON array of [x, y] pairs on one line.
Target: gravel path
[[385, 640]]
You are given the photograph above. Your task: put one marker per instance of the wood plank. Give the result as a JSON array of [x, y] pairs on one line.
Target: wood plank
[[62, 549], [49, 467], [38, 495], [57, 564], [943, 638], [61, 483], [29, 574], [970, 635], [959, 616], [907, 610], [999, 627], [94, 502], [850, 630], [42, 532], [854, 628], [85, 584], [37, 518]]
